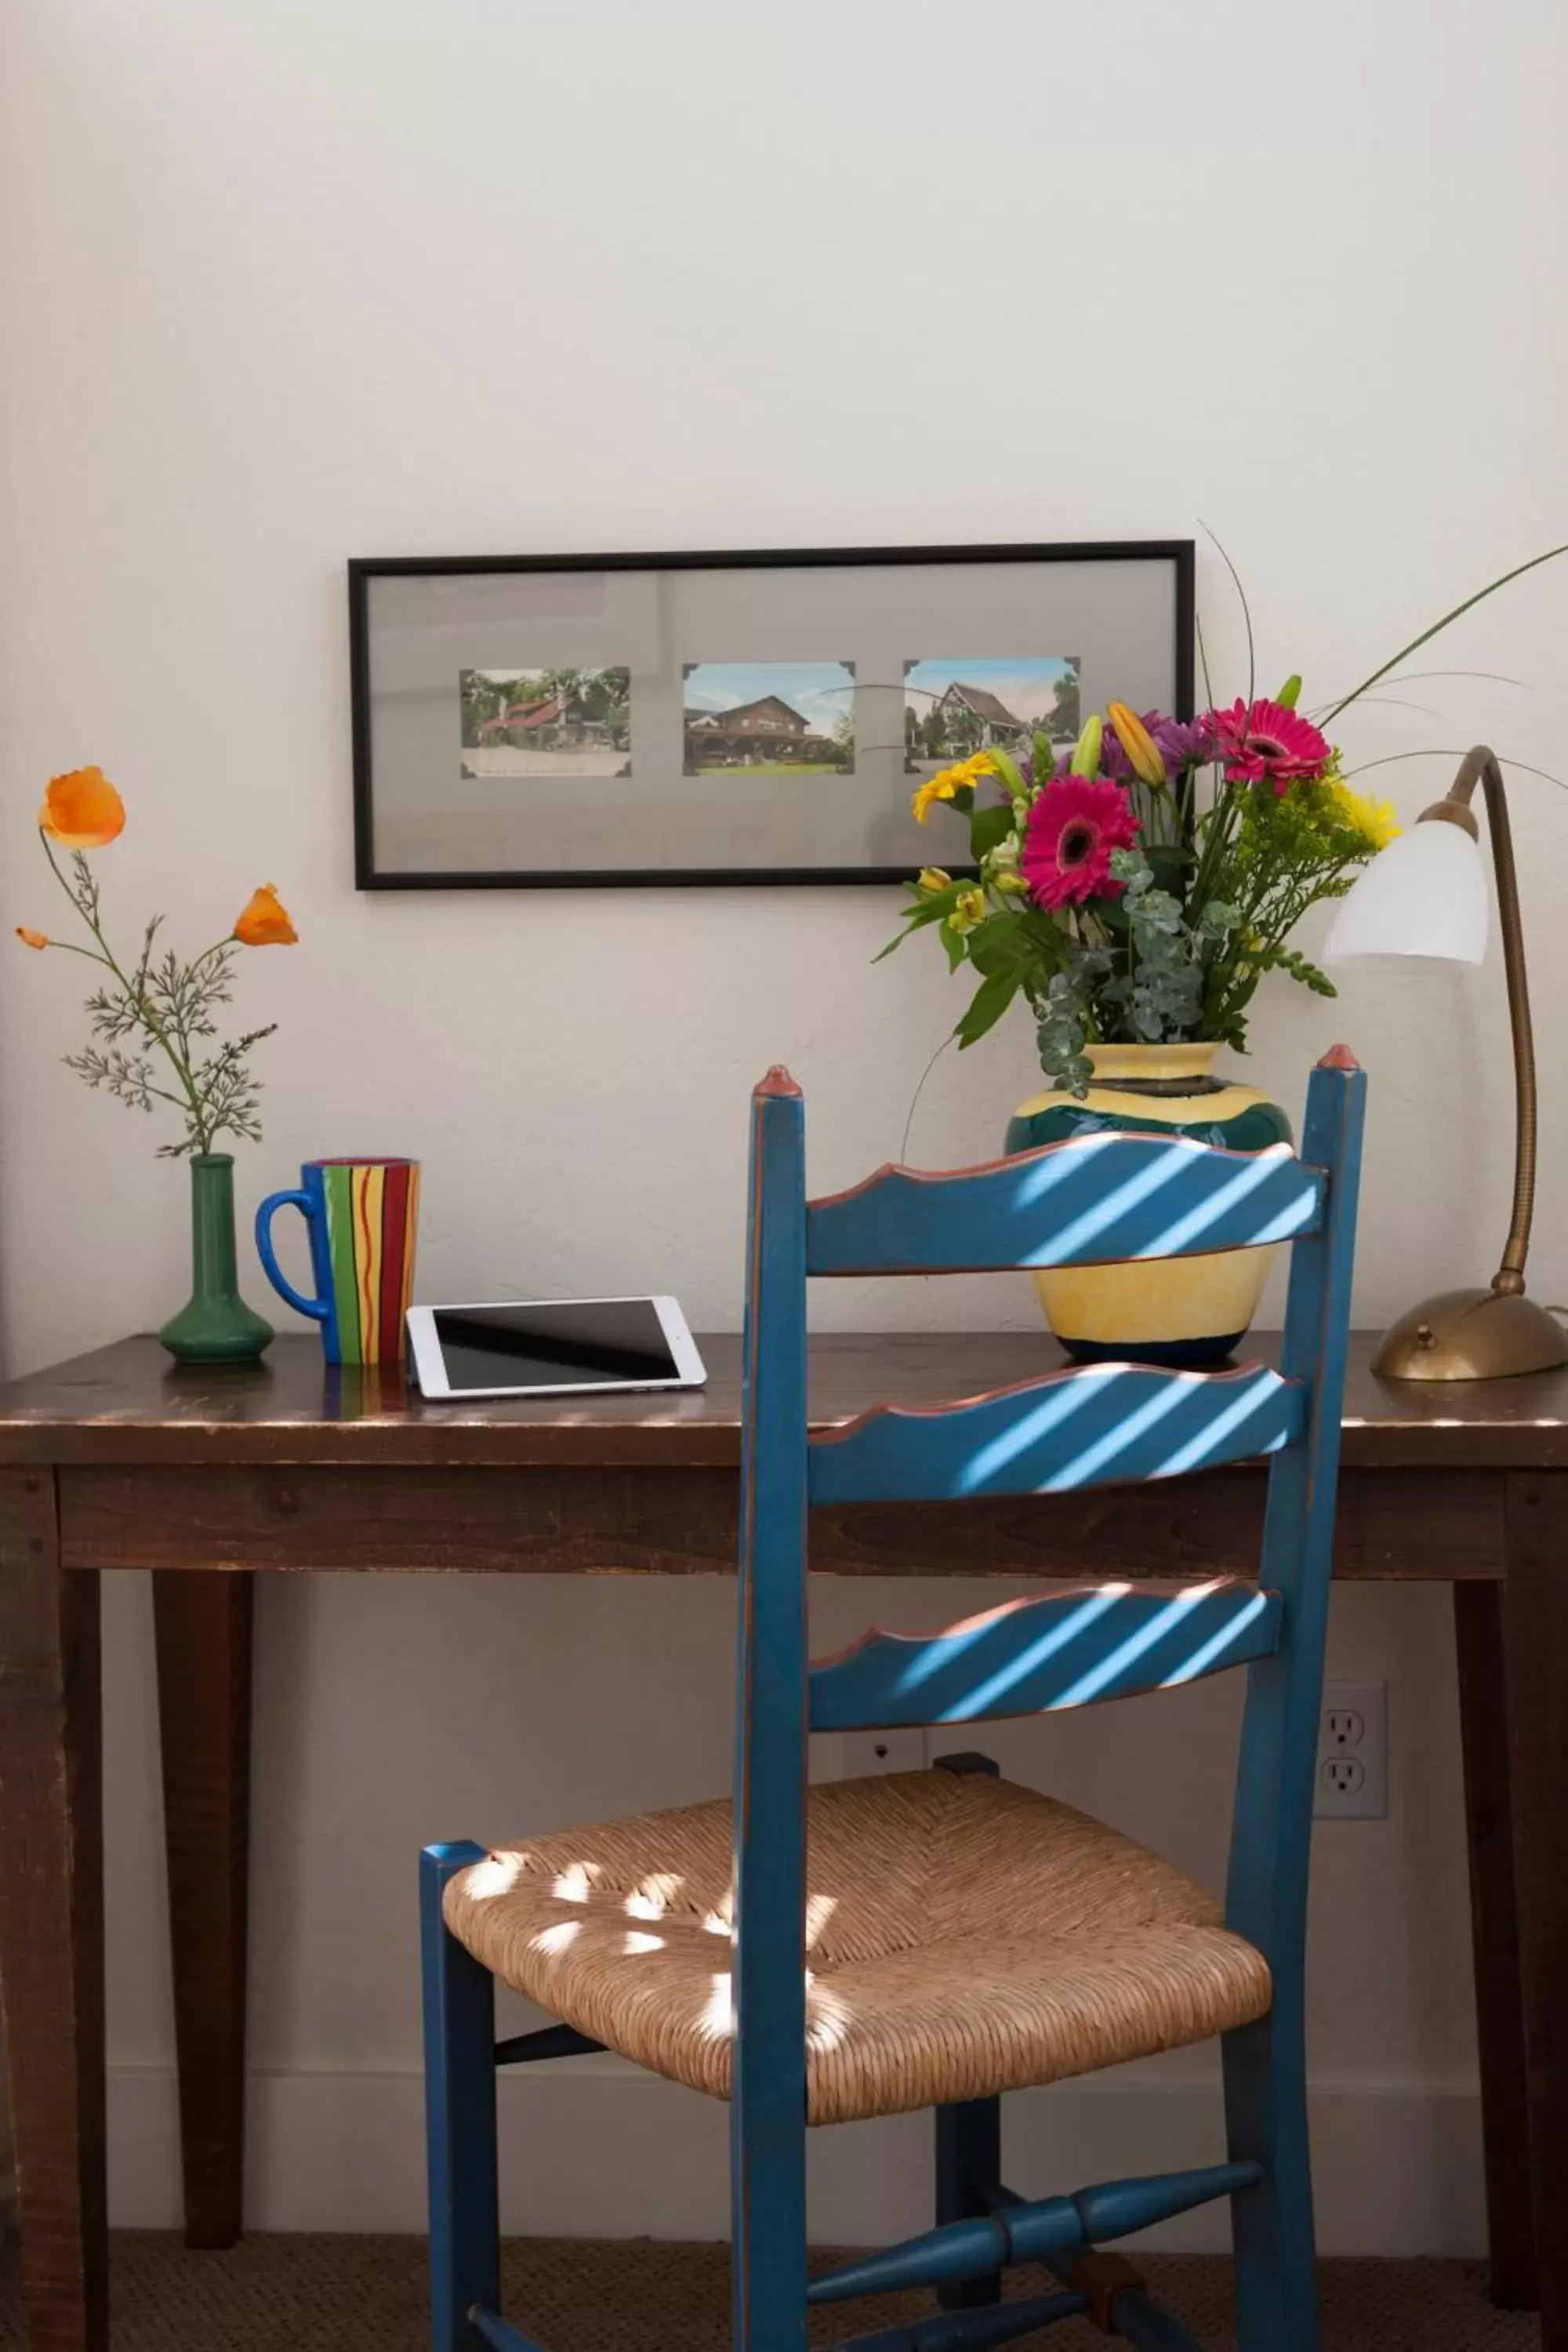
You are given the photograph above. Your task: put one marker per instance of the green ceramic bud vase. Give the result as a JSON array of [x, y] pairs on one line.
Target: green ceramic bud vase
[[216, 1326]]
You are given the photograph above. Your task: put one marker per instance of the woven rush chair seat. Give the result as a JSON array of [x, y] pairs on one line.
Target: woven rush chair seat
[[965, 1937]]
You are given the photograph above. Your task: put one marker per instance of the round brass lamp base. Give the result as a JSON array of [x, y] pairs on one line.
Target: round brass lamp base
[[1472, 1335]]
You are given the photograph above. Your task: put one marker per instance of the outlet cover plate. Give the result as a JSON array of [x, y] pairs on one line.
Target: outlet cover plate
[[1352, 1753]]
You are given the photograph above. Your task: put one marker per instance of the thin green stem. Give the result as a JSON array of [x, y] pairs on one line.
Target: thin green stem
[[179, 1007], [138, 1001], [68, 946], [1219, 825], [1204, 661], [1245, 615], [1442, 751], [919, 1090], [1413, 677], [1438, 626]]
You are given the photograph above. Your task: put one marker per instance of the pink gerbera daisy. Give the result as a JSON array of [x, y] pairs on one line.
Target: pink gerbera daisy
[[1264, 742], [1071, 831]]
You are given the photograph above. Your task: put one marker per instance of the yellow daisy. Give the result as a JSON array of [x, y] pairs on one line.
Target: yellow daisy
[[1373, 820], [935, 788], [942, 786]]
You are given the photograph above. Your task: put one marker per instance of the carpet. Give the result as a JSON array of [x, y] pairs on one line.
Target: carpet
[[367, 2295]]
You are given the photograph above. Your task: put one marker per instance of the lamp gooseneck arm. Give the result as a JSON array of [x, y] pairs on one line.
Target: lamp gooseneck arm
[[1481, 766]]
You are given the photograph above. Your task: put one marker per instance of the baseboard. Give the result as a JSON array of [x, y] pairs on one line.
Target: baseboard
[[593, 2144]]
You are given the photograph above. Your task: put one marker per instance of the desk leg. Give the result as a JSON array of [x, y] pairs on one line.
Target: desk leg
[[1535, 1664], [203, 1623], [1494, 1919], [51, 1917]]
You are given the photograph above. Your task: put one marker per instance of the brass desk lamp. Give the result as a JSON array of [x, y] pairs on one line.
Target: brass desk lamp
[[1423, 900]]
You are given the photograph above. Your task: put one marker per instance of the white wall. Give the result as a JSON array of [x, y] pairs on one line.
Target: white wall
[[290, 282]]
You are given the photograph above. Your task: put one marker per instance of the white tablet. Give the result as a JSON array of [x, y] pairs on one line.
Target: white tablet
[[553, 1347]]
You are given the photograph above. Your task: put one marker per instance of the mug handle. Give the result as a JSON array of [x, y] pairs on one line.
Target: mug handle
[[318, 1309]]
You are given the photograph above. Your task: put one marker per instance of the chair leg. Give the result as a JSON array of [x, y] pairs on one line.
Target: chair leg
[[767, 2209], [1276, 2253], [459, 2114], [968, 2164]]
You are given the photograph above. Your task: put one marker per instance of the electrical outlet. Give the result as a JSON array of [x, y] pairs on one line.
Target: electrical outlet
[[861, 1753], [1352, 1753]]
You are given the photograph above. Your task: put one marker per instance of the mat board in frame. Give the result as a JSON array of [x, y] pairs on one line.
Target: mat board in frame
[[756, 716]]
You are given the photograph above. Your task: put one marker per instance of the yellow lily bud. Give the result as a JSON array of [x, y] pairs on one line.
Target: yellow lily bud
[[970, 910], [1085, 760], [933, 878], [1143, 753]]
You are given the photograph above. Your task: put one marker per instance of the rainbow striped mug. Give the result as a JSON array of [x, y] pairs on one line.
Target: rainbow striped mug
[[361, 1216]]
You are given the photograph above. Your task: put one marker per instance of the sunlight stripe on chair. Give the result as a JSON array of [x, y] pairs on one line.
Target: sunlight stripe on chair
[[1080, 1428], [1095, 1200], [1032, 1656]]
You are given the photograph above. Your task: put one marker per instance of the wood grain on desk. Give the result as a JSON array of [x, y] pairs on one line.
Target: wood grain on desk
[[128, 1403], [284, 1465]]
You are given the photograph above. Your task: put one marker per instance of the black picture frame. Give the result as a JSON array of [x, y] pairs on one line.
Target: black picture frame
[[1180, 554]]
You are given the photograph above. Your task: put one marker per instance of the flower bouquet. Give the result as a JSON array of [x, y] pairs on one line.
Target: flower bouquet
[[1137, 888], [1133, 889]]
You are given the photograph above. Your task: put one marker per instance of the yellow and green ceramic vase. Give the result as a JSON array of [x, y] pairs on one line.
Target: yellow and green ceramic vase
[[1182, 1311]]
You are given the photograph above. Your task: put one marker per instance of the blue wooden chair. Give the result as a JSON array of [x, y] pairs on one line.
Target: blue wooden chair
[[822, 1953]]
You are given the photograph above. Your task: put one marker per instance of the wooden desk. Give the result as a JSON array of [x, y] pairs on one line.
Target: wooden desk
[[115, 1461]]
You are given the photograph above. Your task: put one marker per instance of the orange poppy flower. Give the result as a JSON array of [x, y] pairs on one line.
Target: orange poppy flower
[[82, 809], [32, 938], [265, 922]]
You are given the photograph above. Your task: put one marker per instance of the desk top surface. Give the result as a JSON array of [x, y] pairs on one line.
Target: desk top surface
[[126, 1405]]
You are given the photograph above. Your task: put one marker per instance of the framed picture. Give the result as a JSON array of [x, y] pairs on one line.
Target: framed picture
[[748, 718]]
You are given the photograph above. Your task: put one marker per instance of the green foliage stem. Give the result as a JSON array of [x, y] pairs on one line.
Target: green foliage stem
[[162, 1006]]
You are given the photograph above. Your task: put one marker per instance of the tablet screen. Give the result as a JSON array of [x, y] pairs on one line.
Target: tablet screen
[[554, 1346]]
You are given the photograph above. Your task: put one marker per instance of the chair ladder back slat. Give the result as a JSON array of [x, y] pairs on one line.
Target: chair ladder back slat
[[1095, 1200], [767, 2115], [1034, 1657], [1086, 1427]]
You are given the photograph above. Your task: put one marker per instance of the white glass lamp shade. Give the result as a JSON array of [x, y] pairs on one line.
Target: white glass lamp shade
[[1421, 900]]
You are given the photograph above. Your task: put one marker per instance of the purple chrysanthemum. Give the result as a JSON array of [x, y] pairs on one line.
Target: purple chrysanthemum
[[1181, 743]]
